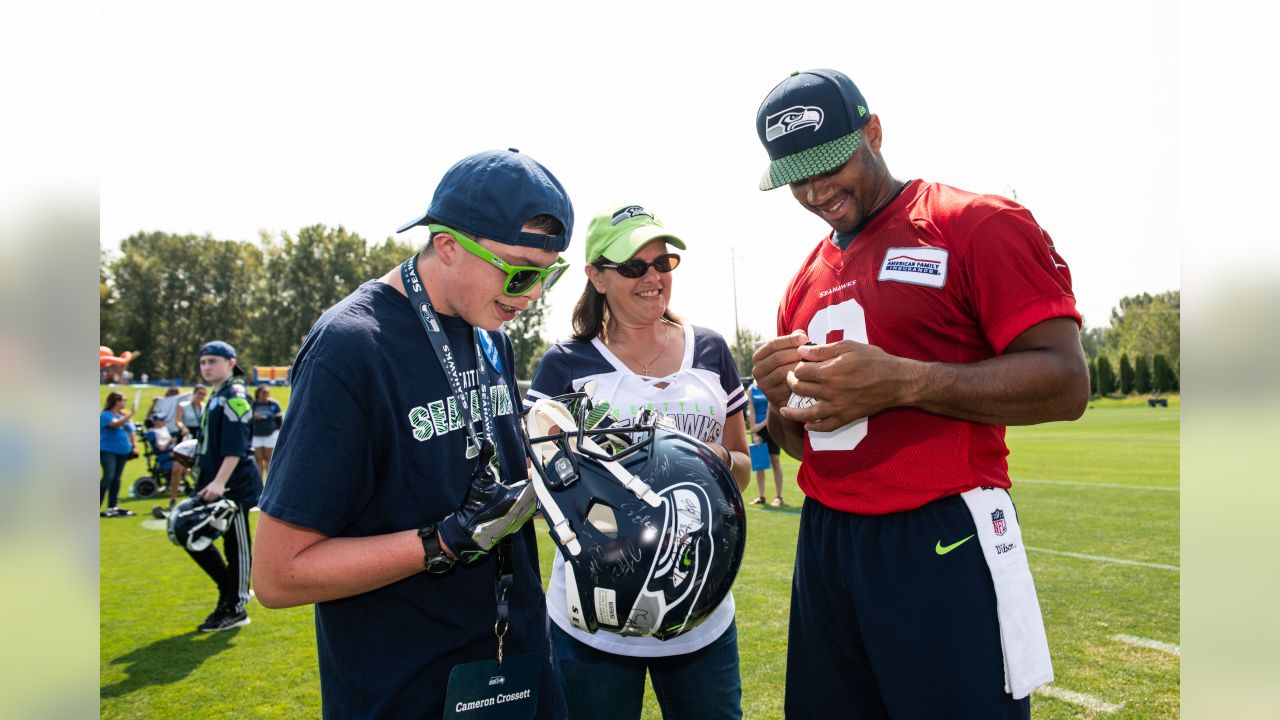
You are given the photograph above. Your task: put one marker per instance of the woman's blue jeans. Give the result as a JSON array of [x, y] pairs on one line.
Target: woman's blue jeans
[[112, 469], [701, 685]]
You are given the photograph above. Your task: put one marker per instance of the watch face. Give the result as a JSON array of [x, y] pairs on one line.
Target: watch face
[[439, 563]]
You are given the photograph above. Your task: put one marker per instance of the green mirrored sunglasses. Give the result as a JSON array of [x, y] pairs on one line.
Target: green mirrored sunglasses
[[520, 278]]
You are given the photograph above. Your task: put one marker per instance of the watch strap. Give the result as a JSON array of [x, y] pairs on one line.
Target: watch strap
[[434, 558]]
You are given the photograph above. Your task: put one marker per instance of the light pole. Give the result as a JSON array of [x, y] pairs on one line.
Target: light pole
[[733, 271]]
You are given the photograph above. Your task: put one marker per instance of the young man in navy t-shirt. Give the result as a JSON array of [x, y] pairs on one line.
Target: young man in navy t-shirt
[[381, 508]]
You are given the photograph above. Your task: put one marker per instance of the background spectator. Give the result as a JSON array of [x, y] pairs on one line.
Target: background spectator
[[191, 409], [267, 419], [116, 444]]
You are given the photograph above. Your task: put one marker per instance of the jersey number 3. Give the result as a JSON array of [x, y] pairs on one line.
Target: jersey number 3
[[833, 323]]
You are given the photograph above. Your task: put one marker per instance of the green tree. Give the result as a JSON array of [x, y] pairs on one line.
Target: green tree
[[1142, 375], [269, 345], [1126, 375], [1092, 340], [1165, 379], [1091, 364], [175, 292], [107, 298], [387, 256], [1106, 376], [744, 346], [316, 269], [1147, 325], [525, 332]]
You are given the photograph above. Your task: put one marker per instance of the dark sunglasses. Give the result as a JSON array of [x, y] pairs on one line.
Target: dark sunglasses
[[634, 268]]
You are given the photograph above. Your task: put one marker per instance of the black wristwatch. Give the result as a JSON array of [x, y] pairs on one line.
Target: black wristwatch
[[434, 558]]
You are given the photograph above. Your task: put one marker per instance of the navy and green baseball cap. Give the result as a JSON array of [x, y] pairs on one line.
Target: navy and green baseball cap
[[621, 231], [810, 123], [220, 348], [493, 194]]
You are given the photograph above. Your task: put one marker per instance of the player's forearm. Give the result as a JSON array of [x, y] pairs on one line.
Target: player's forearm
[[1020, 388], [332, 568], [788, 434]]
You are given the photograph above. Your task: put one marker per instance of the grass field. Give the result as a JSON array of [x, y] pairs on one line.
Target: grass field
[[1098, 500]]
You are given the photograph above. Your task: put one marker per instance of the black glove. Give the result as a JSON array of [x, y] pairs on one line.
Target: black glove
[[490, 511]]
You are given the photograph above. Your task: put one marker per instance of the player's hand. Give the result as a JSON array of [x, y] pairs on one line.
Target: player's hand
[[491, 511], [771, 364], [849, 380]]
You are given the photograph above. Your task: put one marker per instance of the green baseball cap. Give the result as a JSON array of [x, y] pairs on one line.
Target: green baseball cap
[[617, 235]]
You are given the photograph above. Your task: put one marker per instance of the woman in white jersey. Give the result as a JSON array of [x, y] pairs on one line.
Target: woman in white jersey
[[631, 351]]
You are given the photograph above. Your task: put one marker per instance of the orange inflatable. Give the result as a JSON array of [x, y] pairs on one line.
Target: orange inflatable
[[107, 357]]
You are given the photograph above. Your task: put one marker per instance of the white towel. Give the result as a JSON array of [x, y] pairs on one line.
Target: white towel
[[1022, 638]]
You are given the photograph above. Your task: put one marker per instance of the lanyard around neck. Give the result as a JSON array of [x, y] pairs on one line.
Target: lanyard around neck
[[480, 443]]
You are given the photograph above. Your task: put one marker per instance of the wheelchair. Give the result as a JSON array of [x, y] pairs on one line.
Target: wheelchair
[[159, 471]]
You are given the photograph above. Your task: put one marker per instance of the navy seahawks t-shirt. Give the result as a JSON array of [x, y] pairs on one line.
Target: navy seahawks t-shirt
[[374, 443]]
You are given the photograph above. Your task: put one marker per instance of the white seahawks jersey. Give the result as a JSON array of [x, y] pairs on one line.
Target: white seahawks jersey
[[699, 398]]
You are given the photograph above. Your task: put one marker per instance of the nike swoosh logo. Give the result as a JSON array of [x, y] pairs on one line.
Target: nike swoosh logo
[[944, 549]]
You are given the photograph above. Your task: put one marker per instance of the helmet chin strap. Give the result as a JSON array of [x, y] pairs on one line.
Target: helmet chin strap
[[538, 423], [542, 416]]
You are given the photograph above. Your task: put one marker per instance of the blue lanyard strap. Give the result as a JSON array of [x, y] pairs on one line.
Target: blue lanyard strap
[[480, 443]]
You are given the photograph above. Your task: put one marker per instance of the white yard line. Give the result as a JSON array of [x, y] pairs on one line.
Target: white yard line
[[1113, 486], [1088, 702], [1101, 558], [1149, 644]]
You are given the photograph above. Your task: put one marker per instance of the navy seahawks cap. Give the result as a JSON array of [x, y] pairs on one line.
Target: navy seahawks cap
[[223, 349], [810, 123], [493, 194]]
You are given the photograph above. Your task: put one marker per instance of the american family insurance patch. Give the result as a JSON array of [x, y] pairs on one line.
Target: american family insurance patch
[[915, 265]]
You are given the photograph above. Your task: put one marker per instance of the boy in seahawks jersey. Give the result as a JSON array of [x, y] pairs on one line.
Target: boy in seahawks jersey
[[224, 467]]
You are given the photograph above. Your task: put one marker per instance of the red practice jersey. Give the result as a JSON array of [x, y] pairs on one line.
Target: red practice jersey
[[938, 275]]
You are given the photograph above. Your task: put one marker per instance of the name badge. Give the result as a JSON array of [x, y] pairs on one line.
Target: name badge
[[484, 691], [916, 266]]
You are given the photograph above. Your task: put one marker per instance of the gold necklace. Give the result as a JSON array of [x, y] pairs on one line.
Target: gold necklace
[[666, 339]]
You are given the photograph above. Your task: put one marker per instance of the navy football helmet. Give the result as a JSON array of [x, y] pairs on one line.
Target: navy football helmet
[[195, 524], [649, 521]]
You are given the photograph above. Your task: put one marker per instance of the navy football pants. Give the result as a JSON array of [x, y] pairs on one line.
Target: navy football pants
[[883, 626]]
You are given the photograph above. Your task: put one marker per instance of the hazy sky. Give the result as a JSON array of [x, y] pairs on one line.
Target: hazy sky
[[250, 117]]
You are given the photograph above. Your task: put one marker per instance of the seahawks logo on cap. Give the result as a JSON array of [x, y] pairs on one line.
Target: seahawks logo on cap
[[790, 120], [631, 211]]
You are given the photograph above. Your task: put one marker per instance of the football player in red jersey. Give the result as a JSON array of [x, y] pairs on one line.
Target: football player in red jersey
[[924, 323]]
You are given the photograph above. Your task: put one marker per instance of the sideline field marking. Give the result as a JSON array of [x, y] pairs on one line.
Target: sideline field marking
[[1112, 486], [1100, 558], [154, 524], [1149, 644], [1076, 698]]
